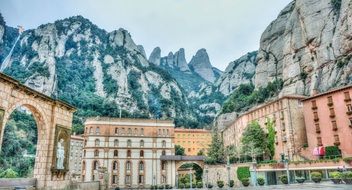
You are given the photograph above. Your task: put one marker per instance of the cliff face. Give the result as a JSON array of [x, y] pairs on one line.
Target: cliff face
[[309, 46]]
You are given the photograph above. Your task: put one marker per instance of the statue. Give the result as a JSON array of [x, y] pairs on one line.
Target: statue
[[60, 155]]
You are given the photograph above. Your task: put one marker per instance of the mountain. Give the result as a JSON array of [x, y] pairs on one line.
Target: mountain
[[97, 71], [309, 47], [201, 65]]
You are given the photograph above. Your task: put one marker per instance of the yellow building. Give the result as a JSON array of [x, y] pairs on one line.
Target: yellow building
[[193, 140]]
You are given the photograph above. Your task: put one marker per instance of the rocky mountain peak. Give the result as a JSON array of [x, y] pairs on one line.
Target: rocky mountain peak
[[155, 56], [2, 28], [200, 64], [180, 60], [122, 37]]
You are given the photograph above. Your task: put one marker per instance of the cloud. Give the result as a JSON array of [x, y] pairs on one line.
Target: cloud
[[226, 28]]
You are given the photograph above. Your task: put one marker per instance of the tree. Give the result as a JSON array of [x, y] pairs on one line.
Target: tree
[[216, 151], [201, 153], [271, 137], [254, 140], [179, 150], [9, 173]]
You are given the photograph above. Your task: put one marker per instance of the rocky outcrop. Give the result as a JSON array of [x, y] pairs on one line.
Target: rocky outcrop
[[240, 71], [175, 60], [309, 47], [155, 56], [201, 65], [180, 60], [2, 29]]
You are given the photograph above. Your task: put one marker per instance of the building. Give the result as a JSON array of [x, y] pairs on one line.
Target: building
[[193, 140], [76, 153], [286, 113], [126, 153], [328, 119]]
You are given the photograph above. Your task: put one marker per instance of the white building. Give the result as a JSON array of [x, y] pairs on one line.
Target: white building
[[76, 153]]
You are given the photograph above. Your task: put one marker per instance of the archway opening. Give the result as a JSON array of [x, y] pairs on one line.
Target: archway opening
[[19, 146], [190, 173]]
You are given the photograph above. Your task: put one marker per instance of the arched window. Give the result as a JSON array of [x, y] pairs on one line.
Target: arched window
[[164, 132], [95, 165], [97, 131], [163, 144], [167, 132], [128, 153], [97, 142], [116, 153], [163, 153], [85, 142], [91, 130], [141, 166], [84, 153], [96, 153], [142, 132], [129, 131], [129, 143], [128, 166], [123, 131], [116, 131], [141, 153], [159, 133], [114, 165], [135, 131], [142, 143], [116, 143]]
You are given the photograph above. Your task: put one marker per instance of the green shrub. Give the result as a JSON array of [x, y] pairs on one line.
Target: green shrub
[[316, 176], [332, 152], [209, 185], [347, 159], [168, 186], [335, 175], [9, 173], [232, 183], [300, 179], [260, 181], [181, 185], [199, 184], [161, 187], [245, 182], [284, 179], [243, 172], [347, 175], [187, 185], [220, 184]]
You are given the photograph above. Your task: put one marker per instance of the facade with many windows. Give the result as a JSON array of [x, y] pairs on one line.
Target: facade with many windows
[[328, 119], [286, 115], [126, 152], [76, 152], [193, 140]]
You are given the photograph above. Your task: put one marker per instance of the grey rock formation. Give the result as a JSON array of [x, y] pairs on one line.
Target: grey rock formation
[[201, 65], [240, 71], [141, 50], [180, 60], [155, 56], [308, 46]]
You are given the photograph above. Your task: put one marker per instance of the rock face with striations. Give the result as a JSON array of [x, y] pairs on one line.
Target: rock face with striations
[[201, 65], [155, 56], [240, 71], [309, 46]]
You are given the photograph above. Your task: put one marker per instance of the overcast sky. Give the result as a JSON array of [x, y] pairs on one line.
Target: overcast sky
[[226, 28]]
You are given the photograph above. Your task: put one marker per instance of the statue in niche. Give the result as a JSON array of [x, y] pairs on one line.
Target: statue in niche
[[60, 155]]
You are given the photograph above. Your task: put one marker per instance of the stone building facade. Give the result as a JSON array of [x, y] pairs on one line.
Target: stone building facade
[[286, 113], [193, 140], [76, 153], [126, 153], [328, 119]]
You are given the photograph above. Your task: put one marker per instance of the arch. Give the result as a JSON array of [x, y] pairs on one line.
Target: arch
[[141, 153], [181, 163], [116, 153]]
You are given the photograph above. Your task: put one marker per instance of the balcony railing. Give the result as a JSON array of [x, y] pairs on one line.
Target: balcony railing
[[330, 103], [314, 107], [317, 129], [332, 115], [334, 127], [316, 119]]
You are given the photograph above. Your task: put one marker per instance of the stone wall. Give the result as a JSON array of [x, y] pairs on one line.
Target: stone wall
[[220, 172]]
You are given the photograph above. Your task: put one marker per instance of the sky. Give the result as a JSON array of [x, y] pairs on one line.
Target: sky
[[227, 29]]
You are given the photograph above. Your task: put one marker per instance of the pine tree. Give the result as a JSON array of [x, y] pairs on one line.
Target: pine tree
[[216, 151]]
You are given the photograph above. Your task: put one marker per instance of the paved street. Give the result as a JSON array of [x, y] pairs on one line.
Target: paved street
[[324, 186]]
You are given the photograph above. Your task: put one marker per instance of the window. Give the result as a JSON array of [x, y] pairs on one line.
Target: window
[[129, 131], [163, 165], [167, 132], [317, 128], [141, 166], [330, 103], [164, 144], [83, 165], [315, 114], [163, 153], [95, 165], [114, 179], [141, 153], [164, 132], [129, 143], [319, 141], [334, 125], [347, 96], [350, 122], [141, 179], [128, 153], [142, 132], [97, 142], [332, 112], [314, 104], [114, 165], [135, 131], [116, 131], [163, 179], [96, 153], [116, 143], [159, 133], [128, 179], [142, 143], [85, 142], [91, 130], [337, 140], [349, 108], [97, 131], [84, 153], [116, 153], [128, 166], [123, 131]]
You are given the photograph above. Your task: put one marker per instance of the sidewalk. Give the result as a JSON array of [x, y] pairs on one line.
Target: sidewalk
[[324, 186]]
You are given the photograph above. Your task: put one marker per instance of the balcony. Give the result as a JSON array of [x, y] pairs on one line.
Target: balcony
[[316, 119], [349, 112], [317, 129], [332, 115], [347, 99], [337, 143], [334, 127], [314, 107]]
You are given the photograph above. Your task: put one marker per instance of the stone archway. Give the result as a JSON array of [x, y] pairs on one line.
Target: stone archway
[[50, 115]]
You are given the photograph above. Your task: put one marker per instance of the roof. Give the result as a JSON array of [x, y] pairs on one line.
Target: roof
[[182, 158], [27, 89], [129, 122], [329, 92]]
